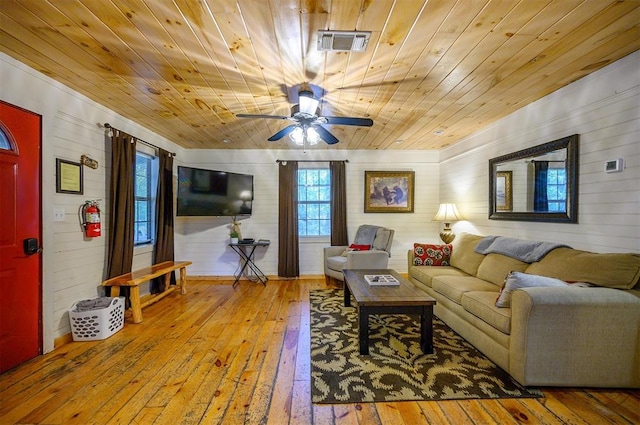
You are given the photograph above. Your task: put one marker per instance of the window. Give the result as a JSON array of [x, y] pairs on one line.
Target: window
[[557, 189], [144, 223], [5, 139], [314, 202]]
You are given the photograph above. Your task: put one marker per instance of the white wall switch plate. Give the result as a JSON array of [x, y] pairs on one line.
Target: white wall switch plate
[[58, 214]]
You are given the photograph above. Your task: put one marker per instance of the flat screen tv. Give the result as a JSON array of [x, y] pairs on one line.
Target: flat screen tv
[[213, 193]]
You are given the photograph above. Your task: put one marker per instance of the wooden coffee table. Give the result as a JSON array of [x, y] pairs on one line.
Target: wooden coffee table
[[404, 298]]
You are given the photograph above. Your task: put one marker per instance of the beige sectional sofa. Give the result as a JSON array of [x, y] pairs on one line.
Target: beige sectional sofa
[[550, 336]]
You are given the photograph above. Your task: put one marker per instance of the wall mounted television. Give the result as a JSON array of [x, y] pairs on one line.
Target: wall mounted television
[[213, 193]]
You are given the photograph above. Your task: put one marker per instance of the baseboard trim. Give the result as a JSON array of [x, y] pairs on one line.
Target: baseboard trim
[[271, 277], [62, 340], [67, 338]]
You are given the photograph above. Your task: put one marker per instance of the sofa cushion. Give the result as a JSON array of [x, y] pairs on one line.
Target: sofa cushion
[[463, 255], [454, 287], [495, 268], [425, 274], [482, 304], [431, 255], [337, 262], [613, 270], [517, 280]]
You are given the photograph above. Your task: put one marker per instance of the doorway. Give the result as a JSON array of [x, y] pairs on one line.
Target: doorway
[[20, 236]]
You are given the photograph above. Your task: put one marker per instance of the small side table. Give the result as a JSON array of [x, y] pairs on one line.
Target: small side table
[[246, 252]]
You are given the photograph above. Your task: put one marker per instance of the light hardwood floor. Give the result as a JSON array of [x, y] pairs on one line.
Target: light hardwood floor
[[233, 356]]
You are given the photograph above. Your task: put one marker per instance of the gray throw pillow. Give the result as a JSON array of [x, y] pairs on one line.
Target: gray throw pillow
[[516, 280]]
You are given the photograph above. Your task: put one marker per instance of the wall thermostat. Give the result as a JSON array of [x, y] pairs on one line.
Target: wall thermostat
[[613, 166]]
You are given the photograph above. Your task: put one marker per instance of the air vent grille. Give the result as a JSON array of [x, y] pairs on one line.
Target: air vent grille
[[352, 41]]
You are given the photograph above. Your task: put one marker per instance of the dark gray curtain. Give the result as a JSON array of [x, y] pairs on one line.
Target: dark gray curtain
[[288, 255], [121, 205], [339, 235], [163, 246], [540, 200]]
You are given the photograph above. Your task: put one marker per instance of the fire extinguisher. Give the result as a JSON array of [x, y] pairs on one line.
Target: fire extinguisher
[[91, 219]]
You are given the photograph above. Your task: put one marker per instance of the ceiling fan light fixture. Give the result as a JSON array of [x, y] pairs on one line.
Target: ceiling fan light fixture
[[301, 136], [307, 127], [308, 103]]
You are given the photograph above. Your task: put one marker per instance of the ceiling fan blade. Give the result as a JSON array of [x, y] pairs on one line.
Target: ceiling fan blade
[[280, 134], [273, 117], [325, 135], [362, 122]]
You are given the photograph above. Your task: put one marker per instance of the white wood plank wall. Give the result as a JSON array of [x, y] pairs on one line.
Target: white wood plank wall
[[604, 109], [203, 240], [73, 266]]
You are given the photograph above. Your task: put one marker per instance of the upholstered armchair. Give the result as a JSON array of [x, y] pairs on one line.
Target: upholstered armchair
[[337, 258]]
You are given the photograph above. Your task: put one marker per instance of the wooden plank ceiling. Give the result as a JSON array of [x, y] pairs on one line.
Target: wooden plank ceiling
[[184, 68]]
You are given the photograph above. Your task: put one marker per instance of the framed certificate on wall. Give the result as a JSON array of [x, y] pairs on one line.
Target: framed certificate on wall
[[68, 177]]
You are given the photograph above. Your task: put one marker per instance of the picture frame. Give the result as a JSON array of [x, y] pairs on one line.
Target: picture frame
[[69, 177], [504, 191], [389, 191]]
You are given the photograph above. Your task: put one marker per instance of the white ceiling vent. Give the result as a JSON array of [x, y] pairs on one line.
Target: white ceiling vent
[[353, 41]]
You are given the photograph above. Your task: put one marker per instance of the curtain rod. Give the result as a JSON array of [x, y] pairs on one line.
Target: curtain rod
[[312, 160], [107, 125]]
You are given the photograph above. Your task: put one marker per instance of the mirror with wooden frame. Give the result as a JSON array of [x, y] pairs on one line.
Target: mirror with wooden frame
[[536, 184]]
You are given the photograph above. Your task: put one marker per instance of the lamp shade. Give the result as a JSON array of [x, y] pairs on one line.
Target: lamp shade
[[307, 135], [308, 104], [447, 213], [297, 135], [312, 136]]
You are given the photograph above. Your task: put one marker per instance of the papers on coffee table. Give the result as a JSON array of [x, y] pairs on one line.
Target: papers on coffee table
[[381, 280]]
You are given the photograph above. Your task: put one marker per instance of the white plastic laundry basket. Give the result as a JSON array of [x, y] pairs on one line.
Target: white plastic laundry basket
[[99, 324]]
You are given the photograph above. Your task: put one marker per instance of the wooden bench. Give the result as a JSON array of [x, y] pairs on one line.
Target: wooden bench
[[134, 279]]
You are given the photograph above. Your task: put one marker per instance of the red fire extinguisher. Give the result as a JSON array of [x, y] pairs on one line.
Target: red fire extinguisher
[[91, 219]]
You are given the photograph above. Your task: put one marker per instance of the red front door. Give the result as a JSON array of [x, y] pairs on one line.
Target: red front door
[[20, 258]]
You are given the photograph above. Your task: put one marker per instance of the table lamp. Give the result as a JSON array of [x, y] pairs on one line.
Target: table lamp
[[447, 213]]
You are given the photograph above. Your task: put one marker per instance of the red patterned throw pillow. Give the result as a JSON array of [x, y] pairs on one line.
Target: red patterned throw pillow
[[431, 255]]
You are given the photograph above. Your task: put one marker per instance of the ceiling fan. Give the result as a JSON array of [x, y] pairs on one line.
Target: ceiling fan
[[307, 127]]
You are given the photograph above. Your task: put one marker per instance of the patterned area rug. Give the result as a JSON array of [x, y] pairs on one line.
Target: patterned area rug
[[396, 369]]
